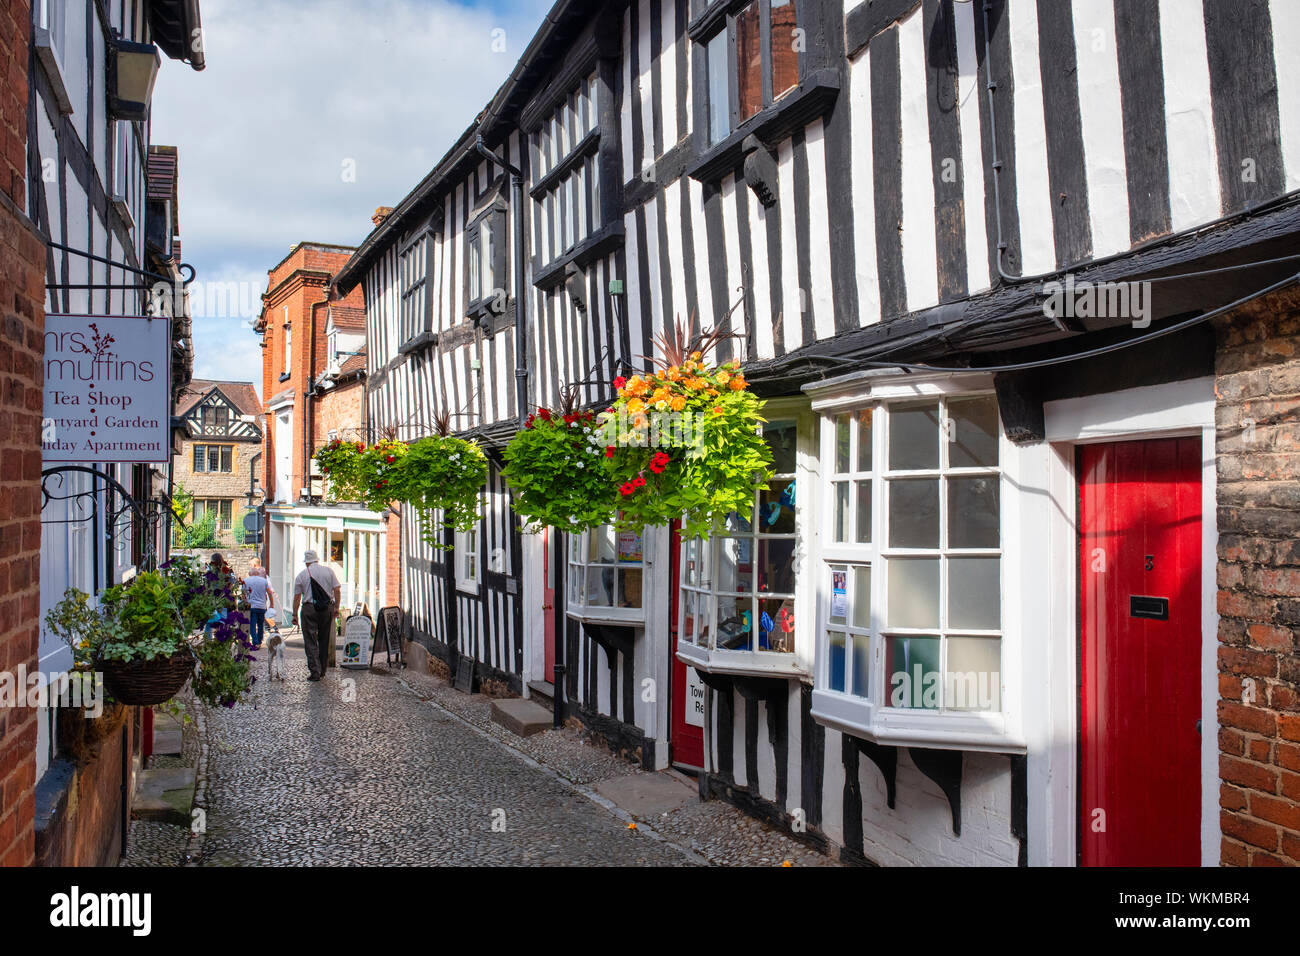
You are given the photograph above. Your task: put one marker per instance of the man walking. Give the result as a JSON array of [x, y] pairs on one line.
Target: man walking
[[316, 593]]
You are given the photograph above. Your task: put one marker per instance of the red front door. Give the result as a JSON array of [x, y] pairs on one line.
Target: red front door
[[686, 745], [1140, 646]]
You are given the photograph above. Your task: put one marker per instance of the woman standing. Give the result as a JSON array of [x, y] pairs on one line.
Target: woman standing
[[260, 597]]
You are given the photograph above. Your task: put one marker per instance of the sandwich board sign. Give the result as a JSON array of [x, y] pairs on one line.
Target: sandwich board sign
[[356, 643]]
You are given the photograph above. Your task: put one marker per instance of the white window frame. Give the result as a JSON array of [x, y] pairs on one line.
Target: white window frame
[[578, 561], [288, 342], [413, 271], [468, 561], [797, 663], [869, 717]]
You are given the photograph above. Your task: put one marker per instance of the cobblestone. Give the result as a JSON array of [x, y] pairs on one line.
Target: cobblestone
[[380, 768]]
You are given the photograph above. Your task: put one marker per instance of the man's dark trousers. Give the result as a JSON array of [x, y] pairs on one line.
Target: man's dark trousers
[[317, 633]]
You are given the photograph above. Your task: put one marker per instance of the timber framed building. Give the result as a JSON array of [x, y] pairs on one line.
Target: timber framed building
[[1071, 515]]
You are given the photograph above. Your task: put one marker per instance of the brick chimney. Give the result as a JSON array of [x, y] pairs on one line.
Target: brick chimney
[[382, 213]]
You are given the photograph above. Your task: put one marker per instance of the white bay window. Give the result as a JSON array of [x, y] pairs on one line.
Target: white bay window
[[606, 576], [742, 598], [911, 629]]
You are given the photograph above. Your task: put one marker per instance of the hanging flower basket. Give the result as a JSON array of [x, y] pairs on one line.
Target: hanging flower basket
[[438, 474], [143, 683], [441, 473], [685, 443], [556, 469]]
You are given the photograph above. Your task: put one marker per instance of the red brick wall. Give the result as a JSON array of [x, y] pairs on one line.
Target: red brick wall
[[1258, 422], [393, 561], [22, 326], [300, 282]]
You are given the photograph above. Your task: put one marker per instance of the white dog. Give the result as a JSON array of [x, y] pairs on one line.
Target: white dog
[[275, 666]]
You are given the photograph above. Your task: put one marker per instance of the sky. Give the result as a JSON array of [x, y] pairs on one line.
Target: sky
[[306, 118]]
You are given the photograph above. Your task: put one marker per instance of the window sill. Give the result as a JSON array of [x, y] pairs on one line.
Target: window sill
[[810, 99], [907, 728], [601, 242], [467, 587], [424, 340], [742, 663], [618, 616], [53, 70], [284, 377], [123, 209]]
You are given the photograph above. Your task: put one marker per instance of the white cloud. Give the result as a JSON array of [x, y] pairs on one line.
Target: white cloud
[[294, 91]]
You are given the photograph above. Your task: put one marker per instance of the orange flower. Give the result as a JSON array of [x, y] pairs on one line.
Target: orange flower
[[677, 403], [636, 386], [723, 378], [635, 405], [695, 383], [695, 356], [673, 374], [717, 409], [737, 383], [640, 421]]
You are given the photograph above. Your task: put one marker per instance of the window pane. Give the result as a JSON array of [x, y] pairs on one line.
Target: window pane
[[735, 571], [973, 512], [864, 440], [974, 432], [974, 593], [776, 508], [225, 515], [776, 625], [200, 457], [836, 661], [914, 513], [841, 444], [690, 602], [864, 512], [914, 437], [785, 53], [214, 458], [912, 672], [489, 242], [749, 61], [861, 607], [782, 437], [600, 545], [474, 282], [600, 587], [913, 592], [629, 593], [973, 680], [719, 88], [226, 451], [735, 621], [861, 666], [629, 546], [839, 581], [776, 565], [841, 510]]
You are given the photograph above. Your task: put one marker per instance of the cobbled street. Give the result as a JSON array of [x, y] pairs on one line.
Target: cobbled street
[[373, 767]]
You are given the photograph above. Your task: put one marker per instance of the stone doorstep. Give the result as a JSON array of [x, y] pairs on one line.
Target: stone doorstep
[[649, 796], [542, 692], [167, 735], [521, 717], [164, 795]]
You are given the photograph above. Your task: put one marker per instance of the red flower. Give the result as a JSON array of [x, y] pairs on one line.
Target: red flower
[[620, 382], [627, 488], [609, 451], [659, 462], [638, 481], [390, 459], [570, 419], [544, 414], [361, 446]]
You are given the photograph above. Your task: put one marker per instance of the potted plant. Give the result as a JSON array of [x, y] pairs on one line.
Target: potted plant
[[683, 442], [225, 658], [555, 466], [136, 638]]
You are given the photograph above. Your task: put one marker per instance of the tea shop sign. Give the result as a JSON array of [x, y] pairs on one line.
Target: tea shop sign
[[106, 389]]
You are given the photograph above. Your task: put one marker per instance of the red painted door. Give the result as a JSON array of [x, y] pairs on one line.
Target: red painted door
[[686, 745], [548, 603], [1140, 647]]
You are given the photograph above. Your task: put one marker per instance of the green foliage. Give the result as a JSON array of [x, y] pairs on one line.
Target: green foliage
[[197, 534], [438, 473], [157, 614], [556, 470]]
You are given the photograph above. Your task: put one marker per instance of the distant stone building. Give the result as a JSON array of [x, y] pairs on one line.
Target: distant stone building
[[220, 452]]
